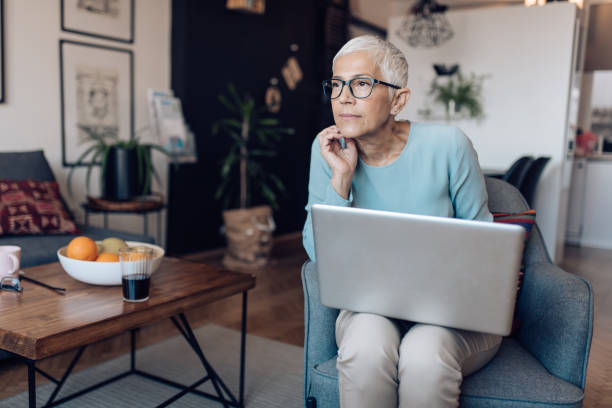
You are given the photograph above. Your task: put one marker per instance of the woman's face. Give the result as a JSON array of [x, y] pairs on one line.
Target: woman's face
[[357, 117]]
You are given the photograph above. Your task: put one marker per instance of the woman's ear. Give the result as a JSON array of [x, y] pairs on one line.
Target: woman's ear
[[399, 100]]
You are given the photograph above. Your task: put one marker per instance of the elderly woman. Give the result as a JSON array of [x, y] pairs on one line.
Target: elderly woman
[[370, 160]]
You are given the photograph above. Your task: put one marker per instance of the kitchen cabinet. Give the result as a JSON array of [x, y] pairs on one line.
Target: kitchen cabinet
[[590, 210]]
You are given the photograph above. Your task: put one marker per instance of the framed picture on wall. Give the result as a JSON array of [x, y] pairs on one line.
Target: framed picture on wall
[[96, 95], [108, 19], [2, 51]]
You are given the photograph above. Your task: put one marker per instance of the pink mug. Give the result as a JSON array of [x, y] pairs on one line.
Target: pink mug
[[10, 257]]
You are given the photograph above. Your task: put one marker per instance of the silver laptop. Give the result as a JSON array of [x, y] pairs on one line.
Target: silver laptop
[[444, 271]]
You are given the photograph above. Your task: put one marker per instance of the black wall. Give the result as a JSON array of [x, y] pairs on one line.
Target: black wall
[[212, 46]]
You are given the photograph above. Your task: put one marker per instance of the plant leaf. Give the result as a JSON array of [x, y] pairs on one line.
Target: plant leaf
[[269, 195], [262, 153], [228, 105], [140, 161], [149, 170], [157, 148], [89, 168], [80, 162], [231, 122], [268, 122], [227, 165], [278, 183], [238, 102]]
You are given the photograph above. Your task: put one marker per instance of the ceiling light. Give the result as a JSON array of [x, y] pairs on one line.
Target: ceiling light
[[529, 3], [426, 26]]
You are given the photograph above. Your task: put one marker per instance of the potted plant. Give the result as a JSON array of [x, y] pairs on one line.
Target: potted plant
[[126, 168], [459, 94], [253, 136]]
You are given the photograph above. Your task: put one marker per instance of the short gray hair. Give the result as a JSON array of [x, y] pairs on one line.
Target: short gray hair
[[388, 57]]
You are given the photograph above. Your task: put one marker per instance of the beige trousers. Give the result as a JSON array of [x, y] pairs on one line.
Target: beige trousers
[[384, 362]]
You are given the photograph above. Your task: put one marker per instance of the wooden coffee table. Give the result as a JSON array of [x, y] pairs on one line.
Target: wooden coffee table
[[40, 323]]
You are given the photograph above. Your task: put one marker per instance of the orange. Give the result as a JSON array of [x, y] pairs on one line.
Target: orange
[[107, 257], [83, 248]]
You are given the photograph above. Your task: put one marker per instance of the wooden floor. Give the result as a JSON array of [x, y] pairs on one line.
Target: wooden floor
[[595, 265], [275, 310]]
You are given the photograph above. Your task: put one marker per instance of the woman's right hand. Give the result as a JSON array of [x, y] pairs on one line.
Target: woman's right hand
[[342, 161]]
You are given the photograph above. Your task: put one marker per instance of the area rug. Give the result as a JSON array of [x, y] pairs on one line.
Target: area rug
[[274, 374]]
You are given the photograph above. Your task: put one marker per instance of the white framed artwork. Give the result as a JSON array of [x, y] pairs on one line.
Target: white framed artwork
[[96, 95], [108, 19]]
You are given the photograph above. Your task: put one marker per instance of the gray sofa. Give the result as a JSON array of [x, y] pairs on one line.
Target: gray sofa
[[41, 249], [543, 365]]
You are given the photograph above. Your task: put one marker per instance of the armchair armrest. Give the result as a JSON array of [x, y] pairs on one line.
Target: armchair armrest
[[556, 313], [319, 322]]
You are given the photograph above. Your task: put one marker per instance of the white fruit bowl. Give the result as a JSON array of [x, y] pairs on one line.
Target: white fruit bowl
[[102, 273]]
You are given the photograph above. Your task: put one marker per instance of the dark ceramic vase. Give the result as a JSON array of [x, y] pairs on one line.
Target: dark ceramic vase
[[121, 181]]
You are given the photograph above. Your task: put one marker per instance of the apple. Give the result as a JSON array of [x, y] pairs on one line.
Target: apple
[[112, 245]]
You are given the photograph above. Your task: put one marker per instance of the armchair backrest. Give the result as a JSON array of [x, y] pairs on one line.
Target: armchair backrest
[[503, 197], [564, 352]]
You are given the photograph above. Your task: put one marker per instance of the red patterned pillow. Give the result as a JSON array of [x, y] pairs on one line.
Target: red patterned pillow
[[30, 207]]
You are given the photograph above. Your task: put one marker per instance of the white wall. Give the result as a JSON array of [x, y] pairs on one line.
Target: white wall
[[527, 53], [30, 117]]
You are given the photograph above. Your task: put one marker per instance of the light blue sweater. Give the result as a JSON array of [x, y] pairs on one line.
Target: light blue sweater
[[436, 174]]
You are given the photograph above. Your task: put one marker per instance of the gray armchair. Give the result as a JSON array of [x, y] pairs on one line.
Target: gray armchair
[[543, 365]]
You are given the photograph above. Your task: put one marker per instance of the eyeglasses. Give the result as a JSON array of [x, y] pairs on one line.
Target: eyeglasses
[[10, 283], [360, 87]]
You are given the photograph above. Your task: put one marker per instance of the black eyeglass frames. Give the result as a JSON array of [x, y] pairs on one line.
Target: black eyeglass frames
[[360, 87], [10, 283]]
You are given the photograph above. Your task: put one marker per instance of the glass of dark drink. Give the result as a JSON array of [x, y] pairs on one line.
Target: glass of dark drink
[[136, 268]]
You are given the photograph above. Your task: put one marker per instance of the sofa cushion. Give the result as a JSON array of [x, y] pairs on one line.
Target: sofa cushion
[[514, 378], [41, 249], [25, 166], [33, 207], [28, 165]]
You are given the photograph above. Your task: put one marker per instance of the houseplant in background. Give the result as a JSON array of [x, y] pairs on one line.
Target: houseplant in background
[[126, 168], [245, 181], [458, 94]]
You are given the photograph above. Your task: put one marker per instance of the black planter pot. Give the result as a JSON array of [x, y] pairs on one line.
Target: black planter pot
[[121, 181]]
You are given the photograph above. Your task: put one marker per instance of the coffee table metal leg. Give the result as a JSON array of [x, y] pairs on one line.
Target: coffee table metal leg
[[214, 377], [242, 347], [133, 350], [31, 383], [185, 329], [60, 383]]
